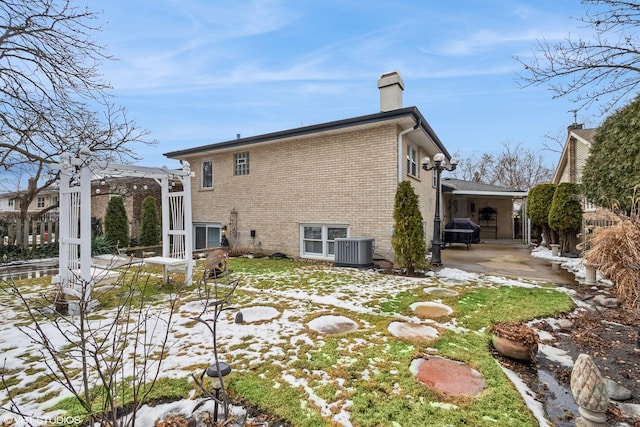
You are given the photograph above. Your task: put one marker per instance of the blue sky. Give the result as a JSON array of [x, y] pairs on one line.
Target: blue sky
[[195, 72]]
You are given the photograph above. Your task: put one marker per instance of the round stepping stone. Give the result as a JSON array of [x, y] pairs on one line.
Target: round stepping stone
[[441, 292], [258, 313], [431, 310], [448, 376], [332, 324], [413, 331]]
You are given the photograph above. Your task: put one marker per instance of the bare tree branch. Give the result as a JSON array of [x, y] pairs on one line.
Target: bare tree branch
[[602, 70]]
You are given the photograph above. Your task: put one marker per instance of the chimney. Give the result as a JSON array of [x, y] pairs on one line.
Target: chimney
[[391, 86]]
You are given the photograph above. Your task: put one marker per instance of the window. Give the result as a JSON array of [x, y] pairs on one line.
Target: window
[[207, 175], [40, 202], [54, 200], [10, 203], [206, 235], [241, 163], [412, 161], [318, 240]]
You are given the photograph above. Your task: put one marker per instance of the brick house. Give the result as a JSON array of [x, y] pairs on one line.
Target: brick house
[[296, 190]]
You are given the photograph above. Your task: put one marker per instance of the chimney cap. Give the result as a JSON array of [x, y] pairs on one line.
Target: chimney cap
[[389, 79]]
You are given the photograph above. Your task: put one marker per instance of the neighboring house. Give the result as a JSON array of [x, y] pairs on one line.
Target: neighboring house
[[297, 190], [492, 207], [10, 203], [574, 154], [39, 224], [574, 157]]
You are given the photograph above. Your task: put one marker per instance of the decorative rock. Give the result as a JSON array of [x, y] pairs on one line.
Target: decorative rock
[[258, 313], [414, 331], [333, 324], [431, 310], [616, 391], [589, 391], [441, 292], [605, 301], [448, 376], [565, 323], [239, 317]]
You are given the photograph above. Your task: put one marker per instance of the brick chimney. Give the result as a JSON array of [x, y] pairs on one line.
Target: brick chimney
[[391, 86]]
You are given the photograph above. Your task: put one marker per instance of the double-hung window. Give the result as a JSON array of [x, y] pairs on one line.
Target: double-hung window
[[40, 202], [412, 161], [207, 175], [318, 240], [241, 163]]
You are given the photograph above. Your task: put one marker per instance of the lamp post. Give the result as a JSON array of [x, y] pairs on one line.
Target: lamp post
[[438, 166]]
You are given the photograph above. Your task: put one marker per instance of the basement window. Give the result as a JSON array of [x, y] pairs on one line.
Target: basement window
[[318, 240]]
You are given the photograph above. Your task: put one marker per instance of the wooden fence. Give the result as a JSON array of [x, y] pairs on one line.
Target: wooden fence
[[36, 231]]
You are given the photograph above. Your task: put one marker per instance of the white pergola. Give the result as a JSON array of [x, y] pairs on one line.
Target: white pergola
[[77, 276]]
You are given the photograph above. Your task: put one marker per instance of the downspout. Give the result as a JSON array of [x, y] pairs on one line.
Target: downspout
[[400, 159]]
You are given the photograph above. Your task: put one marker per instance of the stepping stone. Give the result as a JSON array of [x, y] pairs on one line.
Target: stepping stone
[[332, 324], [448, 376], [431, 310], [413, 331], [441, 292], [258, 313]]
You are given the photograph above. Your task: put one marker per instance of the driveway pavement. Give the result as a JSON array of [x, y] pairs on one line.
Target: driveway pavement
[[508, 258]]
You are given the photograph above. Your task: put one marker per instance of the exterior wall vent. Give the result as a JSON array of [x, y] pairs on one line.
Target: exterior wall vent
[[354, 252]]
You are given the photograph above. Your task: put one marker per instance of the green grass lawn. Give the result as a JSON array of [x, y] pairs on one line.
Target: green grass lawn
[[313, 379]]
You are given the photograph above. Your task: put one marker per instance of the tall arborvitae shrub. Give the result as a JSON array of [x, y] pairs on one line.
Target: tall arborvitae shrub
[[149, 222], [116, 223], [538, 205], [565, 215], [612, 172], [408, 233]]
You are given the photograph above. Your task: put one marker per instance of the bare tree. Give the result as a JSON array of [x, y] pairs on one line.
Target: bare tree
[[515, 167], [53, 100], [601, 70]]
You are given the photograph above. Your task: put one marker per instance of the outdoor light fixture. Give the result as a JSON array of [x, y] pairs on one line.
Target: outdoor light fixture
[[217, 371], [438, 166]]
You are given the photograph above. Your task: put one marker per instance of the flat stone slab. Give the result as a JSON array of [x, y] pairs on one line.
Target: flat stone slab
[[413, 331], [258, 313], [441, 292], [330, 324], [431, 310], [448, 376]]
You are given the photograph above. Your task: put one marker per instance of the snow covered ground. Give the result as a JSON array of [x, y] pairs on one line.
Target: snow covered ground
[[278, 316]]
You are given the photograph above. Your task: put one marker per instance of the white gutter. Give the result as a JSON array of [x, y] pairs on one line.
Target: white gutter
[[400, 159], [491, 193]]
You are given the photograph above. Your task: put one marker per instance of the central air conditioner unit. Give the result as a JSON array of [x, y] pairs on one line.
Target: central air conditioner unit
[[354, 252]]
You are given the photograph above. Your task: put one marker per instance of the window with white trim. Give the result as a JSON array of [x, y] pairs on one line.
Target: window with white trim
[[40, 202], [206, 235], [207, 175], [241, 163], [412, 161], [318, 240]]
